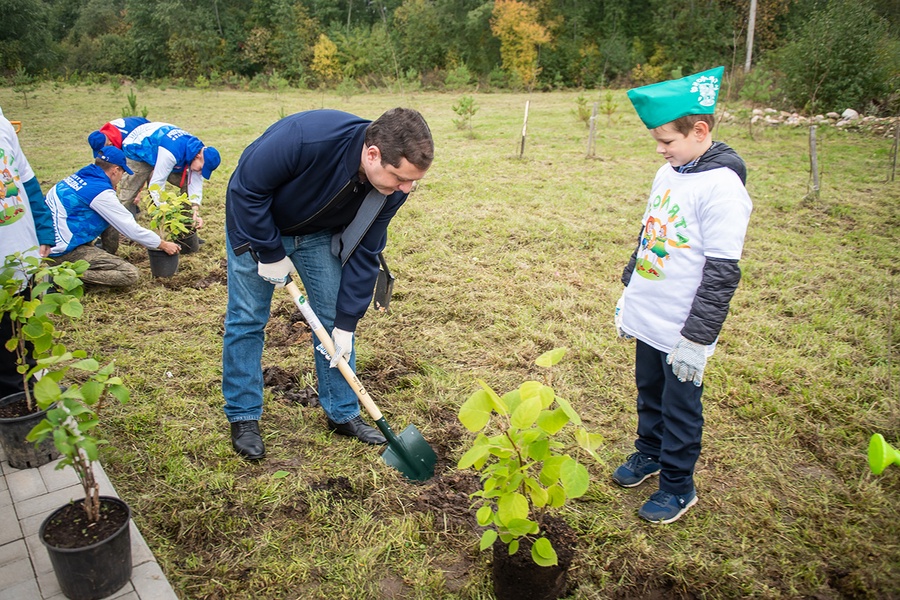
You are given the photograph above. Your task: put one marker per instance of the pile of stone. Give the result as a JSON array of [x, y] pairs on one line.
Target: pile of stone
[[849, 119]]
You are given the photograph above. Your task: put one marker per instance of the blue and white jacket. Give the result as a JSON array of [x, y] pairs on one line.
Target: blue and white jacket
[[83, 205], [169, 149]]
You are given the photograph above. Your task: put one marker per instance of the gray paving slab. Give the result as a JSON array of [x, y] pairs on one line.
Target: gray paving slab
[[15, 572], [27, 496], [12, 552], [20, 591], [25, 483], [9, 525]]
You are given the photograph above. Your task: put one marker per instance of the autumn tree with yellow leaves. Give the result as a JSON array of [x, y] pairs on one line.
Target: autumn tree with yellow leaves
[[516, 25]]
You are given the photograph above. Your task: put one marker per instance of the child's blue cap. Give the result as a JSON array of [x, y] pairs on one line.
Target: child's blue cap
[[97, 141], [211, 160], [661, 103]]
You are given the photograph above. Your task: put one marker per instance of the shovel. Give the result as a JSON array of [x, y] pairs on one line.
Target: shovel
[[384, 285], [409, 453]]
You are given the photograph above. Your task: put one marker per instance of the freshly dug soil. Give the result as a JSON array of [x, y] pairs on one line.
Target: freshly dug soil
[[70, 527], [517, 577]]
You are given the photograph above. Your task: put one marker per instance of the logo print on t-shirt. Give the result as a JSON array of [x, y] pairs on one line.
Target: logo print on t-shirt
[[11, 206], [658, 238]]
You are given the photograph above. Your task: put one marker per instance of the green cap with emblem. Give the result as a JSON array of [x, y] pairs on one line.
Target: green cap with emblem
[[661, 103]]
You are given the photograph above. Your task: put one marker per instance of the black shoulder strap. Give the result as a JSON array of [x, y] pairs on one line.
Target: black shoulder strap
[[345, 242]]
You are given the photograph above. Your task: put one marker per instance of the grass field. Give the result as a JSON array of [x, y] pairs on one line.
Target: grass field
[[498, 259]]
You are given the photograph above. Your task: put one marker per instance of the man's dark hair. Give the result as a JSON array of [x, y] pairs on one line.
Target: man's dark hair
[[402, 133], [684, 125]]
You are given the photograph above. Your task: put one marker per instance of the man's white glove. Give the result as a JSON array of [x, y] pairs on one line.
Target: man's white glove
[[688, 359], [276, 273], [343, 345], [617, 318]]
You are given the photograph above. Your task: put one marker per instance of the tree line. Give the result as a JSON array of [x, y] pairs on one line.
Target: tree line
[[807, 54]]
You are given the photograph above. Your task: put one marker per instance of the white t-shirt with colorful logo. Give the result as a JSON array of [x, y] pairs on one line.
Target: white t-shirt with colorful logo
[[17, 232], [689, 217]]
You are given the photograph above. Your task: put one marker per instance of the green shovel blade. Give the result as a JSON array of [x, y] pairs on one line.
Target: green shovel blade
[[409, 453], [881, 454]]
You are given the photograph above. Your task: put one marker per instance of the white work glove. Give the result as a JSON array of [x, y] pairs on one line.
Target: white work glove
[[276, 273], [343, 345], [688, 359], [617, 318]]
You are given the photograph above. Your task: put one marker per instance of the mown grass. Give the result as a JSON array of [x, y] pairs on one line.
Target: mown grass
[[498, 259]]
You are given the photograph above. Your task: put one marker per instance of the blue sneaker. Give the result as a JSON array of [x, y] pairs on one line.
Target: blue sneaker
[[663, 507], [636, 469]]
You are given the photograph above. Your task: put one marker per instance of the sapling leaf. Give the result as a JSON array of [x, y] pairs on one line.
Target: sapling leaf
[[574, 478], [527, 412], [475, 412], [550, 469], [120, 392], [588, 441], [520, 527], [552, 421], [511, 400], [88, 424], [564, 404], [550, 357], [46, 391], [512, 506], [538, 494], [539, 450], [543, 554], [472, 456], [91, 391], [556, 496], [90, 448], [484, 515], [513, 547], [39, 431], [547, 396], [495, 402], [487, 539], [280, 474]]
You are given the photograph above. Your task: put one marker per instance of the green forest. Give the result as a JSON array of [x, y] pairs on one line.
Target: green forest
[[805, 55]]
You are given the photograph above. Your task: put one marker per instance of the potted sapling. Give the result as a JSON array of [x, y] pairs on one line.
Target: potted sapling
[[35, 296], [89, 539], [170, 218], [526, 477]]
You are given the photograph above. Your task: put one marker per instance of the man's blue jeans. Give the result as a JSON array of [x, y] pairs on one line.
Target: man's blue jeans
[[249, 304]]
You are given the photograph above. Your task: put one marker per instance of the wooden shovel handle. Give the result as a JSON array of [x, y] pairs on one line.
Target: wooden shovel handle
[[364, 398]]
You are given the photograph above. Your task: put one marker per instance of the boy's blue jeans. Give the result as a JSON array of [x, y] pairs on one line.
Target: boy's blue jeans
[[670, 419], [249, 304]]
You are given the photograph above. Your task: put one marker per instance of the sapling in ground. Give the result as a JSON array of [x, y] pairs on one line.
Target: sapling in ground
[[523, 466], [466, 109]]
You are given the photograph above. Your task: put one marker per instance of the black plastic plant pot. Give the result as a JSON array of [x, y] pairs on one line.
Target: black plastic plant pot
[[162, 264], [189, 242], [21, 453], [97, 570]]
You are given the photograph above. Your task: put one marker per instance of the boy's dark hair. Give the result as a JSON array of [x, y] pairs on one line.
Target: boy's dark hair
[[402, 133], [684, 125]]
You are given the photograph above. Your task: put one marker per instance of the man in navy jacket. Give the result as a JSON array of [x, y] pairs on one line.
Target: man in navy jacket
[[315, 194]]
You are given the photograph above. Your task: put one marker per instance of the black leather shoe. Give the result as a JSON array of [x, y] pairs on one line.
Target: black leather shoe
[[358, 428], [246, 440]]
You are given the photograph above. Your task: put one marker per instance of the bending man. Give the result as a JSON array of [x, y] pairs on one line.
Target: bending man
[[315, 194]]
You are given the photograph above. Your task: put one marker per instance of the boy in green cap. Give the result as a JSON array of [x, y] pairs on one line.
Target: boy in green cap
[[679, 282]]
